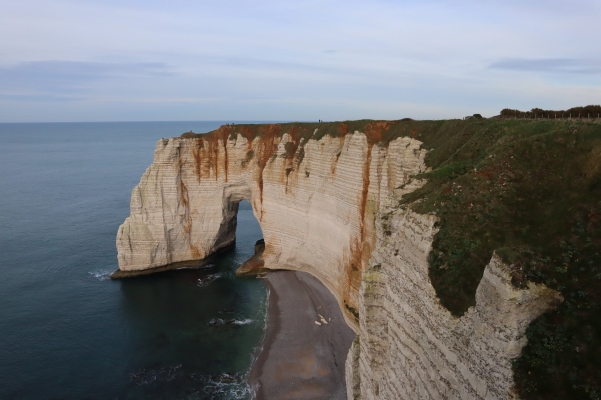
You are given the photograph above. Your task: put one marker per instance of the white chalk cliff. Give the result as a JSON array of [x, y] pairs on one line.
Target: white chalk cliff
[[330, 207]]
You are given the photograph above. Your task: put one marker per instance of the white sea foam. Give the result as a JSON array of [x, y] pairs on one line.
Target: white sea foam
[[208, 279], [241, 322], [231, 387], [220, 321], [206, 266], [101, 275]]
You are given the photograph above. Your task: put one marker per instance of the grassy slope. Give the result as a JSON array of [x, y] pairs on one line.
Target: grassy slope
[[531, 190]]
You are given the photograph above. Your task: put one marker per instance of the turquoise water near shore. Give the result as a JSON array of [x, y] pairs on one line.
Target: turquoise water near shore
[[66, 330]]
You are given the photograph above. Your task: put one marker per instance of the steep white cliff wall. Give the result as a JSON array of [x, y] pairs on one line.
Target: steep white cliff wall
[[316, 205], [410, 347], [329, 207]]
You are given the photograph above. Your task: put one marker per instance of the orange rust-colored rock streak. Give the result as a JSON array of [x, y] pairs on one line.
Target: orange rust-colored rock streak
[[342, 130], [333, 214], [211, 157], [249, 134], [223, 133], [291, 148], [361, 246], [374, 130], [373, 133], [267, 148], [185, 203], [196, 153], [195, 252]]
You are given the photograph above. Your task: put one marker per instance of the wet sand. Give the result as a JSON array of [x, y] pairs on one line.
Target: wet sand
[[301, 359]]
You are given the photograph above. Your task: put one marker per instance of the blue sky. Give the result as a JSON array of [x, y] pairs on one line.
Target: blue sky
[[233, 60]]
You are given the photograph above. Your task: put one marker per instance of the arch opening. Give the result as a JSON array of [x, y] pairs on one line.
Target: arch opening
[[248, 236], [239, 224]]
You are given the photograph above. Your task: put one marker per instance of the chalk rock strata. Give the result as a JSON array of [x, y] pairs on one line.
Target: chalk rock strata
[[254, 265], [330, 207], [411, 347], [316, 204]]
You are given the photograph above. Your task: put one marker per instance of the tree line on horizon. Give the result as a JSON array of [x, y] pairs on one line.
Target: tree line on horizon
[[574, 112]]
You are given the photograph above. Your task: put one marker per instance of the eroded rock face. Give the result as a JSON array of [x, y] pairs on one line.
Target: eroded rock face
[[330, 207], [316, 205], [411, 347]]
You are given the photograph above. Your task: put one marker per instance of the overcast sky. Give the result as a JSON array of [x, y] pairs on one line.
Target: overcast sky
[[132, 60]]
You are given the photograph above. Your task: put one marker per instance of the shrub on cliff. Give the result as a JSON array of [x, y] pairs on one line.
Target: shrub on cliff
[[592, 111]]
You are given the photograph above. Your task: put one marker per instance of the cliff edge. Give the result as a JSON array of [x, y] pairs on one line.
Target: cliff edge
[[356, 205]]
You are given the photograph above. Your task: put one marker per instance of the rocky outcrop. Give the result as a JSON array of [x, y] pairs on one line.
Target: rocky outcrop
[[330, 207], [411, 347], [255, 264], [315, 201]]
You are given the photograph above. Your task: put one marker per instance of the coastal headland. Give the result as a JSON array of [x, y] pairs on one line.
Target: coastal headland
[[454, 249]]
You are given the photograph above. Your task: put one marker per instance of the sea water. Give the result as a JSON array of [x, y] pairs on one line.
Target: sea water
[[67, 331]]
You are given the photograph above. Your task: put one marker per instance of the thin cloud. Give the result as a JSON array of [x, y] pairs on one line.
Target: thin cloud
[[69, 76], [236, 60], [552, 65]]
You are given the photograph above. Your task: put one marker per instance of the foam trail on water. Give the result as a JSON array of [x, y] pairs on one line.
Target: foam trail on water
[[101, 275], [241, 322], [208, 279], [220, 321]]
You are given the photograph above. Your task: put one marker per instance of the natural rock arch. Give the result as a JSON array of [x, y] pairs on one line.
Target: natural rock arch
[[329, 207], [315, 201]]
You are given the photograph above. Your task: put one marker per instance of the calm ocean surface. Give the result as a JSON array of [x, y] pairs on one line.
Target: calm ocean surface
[[69, 332]]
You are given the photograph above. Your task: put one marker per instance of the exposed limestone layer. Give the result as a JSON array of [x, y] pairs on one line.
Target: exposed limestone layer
[[316, 206], [254, 265], [411, 347], [328, 207]]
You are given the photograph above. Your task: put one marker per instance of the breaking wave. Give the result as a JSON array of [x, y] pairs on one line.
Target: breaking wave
[[220, 321], [208, 279], [223, 386], [242, 322], [101, 275]]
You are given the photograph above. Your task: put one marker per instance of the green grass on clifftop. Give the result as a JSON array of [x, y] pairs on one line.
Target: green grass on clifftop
[[531, 190]]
